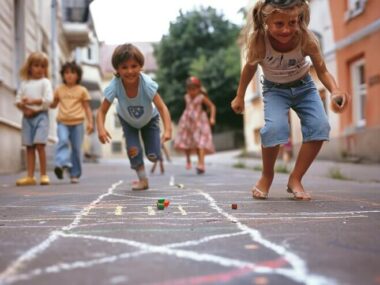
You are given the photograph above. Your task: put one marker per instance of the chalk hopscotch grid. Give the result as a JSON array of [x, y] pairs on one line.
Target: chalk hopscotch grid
[[297, 272]]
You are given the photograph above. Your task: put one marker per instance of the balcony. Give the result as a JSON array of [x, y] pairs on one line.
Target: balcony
[[75, 22], [77, 34]]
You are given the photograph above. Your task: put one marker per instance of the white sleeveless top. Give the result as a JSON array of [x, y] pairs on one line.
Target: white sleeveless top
[[283, 67]]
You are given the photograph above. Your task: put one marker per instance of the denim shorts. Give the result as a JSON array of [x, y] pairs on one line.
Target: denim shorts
[[150, 136], [304, 99], [35, 130]]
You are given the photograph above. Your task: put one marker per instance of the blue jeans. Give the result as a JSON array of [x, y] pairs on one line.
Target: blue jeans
[[150, 135], [68, 150], [304, 99]]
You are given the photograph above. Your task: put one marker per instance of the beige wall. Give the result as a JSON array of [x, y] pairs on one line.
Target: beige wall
[[25, 26]]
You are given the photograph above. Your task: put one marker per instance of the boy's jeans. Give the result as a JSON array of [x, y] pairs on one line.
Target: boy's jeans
[[68, 149], [150, 135]]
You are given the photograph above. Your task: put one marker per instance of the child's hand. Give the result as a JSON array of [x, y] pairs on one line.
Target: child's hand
[[90, 128], [212, 121], [28, 112], [104, 136], [27, 101], [166, 136], [238, 105], [339, 101]]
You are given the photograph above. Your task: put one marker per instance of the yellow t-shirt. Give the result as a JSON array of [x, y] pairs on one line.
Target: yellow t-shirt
[[70, 108]]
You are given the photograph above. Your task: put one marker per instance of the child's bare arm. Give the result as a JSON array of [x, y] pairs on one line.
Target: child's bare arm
[[246, 76], [248, 72], [165, 115], [31, 101], [211, 106], [55, 102], [104, 136], [87, 109], [339, 97]]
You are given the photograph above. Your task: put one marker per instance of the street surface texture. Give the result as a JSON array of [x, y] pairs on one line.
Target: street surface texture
[[101, 232]]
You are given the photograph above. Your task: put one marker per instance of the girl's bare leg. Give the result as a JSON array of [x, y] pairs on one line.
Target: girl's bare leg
[[166, 152], [269, 156], [201, 158], [153, 167], [42, 157], [30, 160], [188, 159], [306, 156]]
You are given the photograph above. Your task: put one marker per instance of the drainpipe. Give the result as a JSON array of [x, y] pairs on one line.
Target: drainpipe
[[54, 41]]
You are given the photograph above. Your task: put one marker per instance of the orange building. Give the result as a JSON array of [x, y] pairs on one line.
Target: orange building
[[356, 29]]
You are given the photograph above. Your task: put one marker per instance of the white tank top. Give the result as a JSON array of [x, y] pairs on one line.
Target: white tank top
[[283, 67]]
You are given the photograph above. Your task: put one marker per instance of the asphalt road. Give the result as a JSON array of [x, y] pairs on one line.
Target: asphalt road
[[101, 232]]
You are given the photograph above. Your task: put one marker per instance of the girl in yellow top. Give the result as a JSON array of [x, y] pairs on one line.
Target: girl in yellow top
[[73, 100]]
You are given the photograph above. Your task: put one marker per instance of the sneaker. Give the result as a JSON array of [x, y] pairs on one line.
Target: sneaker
[[25, 181], [58, 172], [140, 185], [74, 180], [44, 180]]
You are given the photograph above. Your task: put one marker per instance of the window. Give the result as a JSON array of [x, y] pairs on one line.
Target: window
[[89, 53], [116, 147], [355, 8], [19, 40], [359, 89]]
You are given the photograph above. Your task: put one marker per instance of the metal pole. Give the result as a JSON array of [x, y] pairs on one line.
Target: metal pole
[[54, 41]]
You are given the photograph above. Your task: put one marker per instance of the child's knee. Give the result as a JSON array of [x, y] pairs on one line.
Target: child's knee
[[133, 152], [317, 129], [152, 157], [274, 133]]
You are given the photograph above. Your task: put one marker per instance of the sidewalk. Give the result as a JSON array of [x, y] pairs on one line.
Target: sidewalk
[[321, 168]]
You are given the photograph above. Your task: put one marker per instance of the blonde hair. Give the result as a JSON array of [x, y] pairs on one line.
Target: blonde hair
[[254, 30], [34, 57]]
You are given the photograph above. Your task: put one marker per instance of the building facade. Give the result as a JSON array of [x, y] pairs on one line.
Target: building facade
[[27, 26], [356, 25]]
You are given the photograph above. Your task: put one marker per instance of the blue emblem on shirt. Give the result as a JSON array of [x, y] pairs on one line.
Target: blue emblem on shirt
[[136, 111]]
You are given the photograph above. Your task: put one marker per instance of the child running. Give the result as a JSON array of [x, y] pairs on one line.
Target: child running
[[279, 43], [73, 100], [194, 131], [33, 99], [161, 161], [135, 92]]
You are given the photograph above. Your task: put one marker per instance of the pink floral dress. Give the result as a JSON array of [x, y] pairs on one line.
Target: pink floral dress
[[194, 130]]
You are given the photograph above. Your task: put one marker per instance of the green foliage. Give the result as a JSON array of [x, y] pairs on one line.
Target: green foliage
[[204, 44], [258, 168], [335, 173], [281, 168], [239, 164]]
